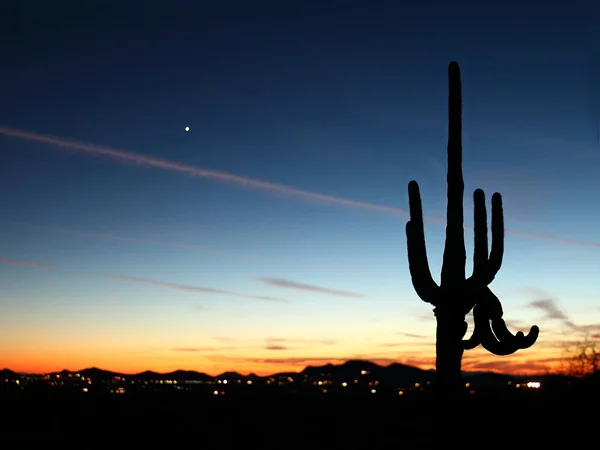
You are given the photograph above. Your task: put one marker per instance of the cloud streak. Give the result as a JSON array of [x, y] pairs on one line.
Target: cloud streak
[[166, 284], [188, 288], [23, 263], [412, 335], [187, 247], [149, 161], [183, 287], [199, 349], [279, 340], [153, 162], [287, 284], [552, 311]]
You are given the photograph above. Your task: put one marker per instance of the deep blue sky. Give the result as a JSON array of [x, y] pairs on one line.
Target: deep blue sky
[[344, 98]]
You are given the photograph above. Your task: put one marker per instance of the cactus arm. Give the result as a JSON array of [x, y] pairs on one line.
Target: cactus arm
[[497, 250], [473, 341], [506, 347], [520, 341], [485, 268], [424, 284], [455, 257], [495, 336], [480, 248]]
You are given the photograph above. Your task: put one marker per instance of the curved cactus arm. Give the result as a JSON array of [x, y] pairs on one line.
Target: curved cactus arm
[[497, 250], [491, 330], [487, 338], [424, 284], [473, 341], [520, 341], [503, 348], [488, 305], [455, 256]]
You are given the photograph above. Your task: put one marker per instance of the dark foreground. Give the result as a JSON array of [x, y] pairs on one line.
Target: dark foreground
[[313, 422]]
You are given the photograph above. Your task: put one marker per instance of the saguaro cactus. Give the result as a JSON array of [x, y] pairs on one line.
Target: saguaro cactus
[[456, 295]]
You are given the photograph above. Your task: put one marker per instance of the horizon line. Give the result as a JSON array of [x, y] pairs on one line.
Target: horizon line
[[261, 376]]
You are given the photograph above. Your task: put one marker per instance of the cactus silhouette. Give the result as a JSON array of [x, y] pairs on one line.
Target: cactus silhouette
[[456, 295]]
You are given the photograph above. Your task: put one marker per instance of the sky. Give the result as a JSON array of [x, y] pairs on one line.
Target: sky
[[271, 235]]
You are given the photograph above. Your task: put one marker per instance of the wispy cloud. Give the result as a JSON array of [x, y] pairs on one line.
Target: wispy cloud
[[276, 347], [188, 288], [225, 339], [149, 161], [279, 282], [405, 344], [23, 263], [551, 311], [591, 328], [429, 317], [153, 162], [183, 287], [268, 298], [280, 340], [187, 247], [198, 349], [413, 335], [549, 307]]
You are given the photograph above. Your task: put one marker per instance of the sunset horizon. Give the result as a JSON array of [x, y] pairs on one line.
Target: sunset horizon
[[227, 189], [293, 367]]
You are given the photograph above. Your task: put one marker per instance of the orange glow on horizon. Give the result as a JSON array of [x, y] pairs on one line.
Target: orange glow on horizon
[[25, 364]]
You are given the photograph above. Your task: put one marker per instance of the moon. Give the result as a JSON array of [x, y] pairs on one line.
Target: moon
[[187, 128]]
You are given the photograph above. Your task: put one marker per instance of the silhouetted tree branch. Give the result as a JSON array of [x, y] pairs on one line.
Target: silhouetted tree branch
[[582, 358]]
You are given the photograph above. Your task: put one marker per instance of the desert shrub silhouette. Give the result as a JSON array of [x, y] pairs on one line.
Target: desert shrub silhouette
[[456, 294]]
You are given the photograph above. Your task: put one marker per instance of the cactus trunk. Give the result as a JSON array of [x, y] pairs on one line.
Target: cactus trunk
[[449, 352]]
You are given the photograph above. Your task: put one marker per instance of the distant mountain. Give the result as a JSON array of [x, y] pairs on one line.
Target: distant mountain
[[8, 374], [148, 375], [395, 373], [231, 376], [280, 375], [187, 375], [92, 372]]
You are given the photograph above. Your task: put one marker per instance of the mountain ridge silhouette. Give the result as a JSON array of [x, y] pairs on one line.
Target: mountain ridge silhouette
[[346, 370]]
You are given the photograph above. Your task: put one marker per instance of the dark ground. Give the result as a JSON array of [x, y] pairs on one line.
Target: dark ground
[[91, 421]]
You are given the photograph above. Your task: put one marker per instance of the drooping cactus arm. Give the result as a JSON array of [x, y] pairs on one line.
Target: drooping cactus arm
[[488, 305], [474, 340], [520, 340], [455, 257], [424, 284], [491, 331]]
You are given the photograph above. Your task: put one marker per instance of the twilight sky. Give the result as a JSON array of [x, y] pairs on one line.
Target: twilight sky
[[129, 244]]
